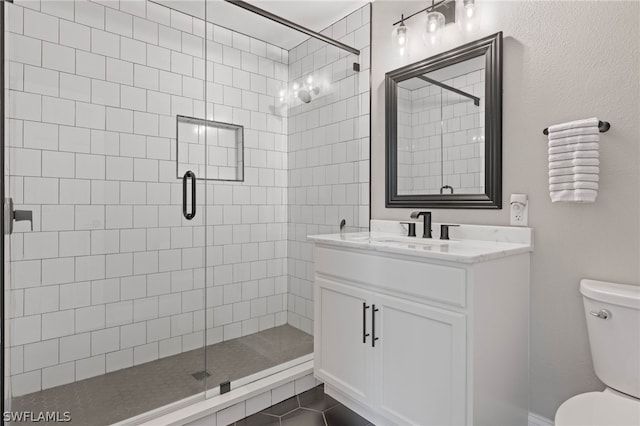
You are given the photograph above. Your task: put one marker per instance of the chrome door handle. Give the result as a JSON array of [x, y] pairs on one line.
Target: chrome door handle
[[602, 314]]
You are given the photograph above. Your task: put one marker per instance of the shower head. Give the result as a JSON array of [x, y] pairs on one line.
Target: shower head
[[305, 95]]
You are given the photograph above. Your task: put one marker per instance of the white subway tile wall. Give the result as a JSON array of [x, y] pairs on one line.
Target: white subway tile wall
[[112, 275], [441, 137], [328, 152]]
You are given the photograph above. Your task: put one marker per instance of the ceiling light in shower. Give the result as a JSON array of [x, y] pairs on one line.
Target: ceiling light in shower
[[400, 37]]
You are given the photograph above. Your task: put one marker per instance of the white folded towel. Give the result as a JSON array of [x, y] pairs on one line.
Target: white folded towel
[[574, 139], [587, 122], [586, 146], [574, 160], [574, 170], [574, 195], [573, 155], [578, 131], [584, 177], [573, 185]]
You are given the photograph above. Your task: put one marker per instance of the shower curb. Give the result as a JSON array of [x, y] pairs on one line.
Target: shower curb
[[226, 407]]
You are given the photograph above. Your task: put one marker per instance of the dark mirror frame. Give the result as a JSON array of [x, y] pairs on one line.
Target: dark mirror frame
[[491, 48]]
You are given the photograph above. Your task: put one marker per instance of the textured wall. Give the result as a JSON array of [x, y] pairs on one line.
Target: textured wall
[[562, 61]]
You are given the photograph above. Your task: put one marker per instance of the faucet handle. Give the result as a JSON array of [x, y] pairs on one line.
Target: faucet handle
[[444, 231], [412, 228]]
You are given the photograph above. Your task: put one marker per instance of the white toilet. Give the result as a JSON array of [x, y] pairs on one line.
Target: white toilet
[[613, 322]]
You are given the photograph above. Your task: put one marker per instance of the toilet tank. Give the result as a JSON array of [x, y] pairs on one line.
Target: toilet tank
[[615, 341]]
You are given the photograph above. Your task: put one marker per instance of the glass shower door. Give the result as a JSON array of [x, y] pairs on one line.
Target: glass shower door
[[106, 292]]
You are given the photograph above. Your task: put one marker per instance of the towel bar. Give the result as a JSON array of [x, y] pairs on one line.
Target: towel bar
[[603, 126]]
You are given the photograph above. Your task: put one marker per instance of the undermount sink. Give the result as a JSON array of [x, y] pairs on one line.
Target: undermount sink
[[411, 240]]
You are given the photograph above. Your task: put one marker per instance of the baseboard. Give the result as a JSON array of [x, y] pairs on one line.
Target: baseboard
[[536, 420]]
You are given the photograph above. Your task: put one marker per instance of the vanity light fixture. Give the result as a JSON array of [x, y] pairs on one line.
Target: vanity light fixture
[[439, 13]]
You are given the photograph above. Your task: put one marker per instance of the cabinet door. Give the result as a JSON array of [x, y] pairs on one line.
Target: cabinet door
[[420, 363], [342, 357]]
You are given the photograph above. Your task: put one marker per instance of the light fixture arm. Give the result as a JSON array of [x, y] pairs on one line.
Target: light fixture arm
[[426, 9]]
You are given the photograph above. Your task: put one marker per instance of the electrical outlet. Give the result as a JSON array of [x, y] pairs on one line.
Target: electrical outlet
[[519, 210]]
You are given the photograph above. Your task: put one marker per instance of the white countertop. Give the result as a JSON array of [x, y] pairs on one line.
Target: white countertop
[[489, 242]]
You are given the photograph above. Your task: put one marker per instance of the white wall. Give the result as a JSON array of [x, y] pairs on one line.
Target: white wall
[[562, 61]]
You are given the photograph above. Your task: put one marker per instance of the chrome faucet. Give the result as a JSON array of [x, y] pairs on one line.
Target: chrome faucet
[[426, 229]]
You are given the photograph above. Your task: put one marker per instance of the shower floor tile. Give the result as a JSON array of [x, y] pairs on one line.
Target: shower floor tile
[[121, 394]]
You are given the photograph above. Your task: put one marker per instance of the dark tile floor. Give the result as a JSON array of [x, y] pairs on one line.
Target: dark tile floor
[[122, 394], [311, 408]]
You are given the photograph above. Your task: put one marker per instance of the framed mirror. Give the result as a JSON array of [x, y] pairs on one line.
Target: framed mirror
[[444, 129]]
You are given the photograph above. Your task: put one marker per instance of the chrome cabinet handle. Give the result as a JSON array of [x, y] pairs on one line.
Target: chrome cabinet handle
[[603, 314]]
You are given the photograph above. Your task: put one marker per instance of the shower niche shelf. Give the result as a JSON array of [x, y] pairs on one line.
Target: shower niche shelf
[[213, 150]]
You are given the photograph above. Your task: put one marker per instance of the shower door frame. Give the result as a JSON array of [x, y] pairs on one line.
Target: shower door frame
[[2, 210], [210, 392]]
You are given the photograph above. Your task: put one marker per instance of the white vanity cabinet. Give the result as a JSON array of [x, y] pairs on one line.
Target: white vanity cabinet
[[411, 340]]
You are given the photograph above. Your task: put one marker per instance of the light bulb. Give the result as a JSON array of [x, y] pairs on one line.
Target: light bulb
[[400, 36], [435, 22], [402, 39], [469, 12], [469, 6], [296, 86], [310, 80]]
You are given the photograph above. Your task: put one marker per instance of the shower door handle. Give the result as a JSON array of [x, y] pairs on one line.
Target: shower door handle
[[192, 214]]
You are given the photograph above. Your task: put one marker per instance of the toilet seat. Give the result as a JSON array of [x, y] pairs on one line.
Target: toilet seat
[[607, 408]]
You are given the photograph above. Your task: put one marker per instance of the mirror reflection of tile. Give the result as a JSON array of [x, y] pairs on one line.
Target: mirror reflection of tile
[[212, 150], [441, 133]]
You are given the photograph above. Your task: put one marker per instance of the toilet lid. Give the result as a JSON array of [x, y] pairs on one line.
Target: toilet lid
[[599, 409]]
